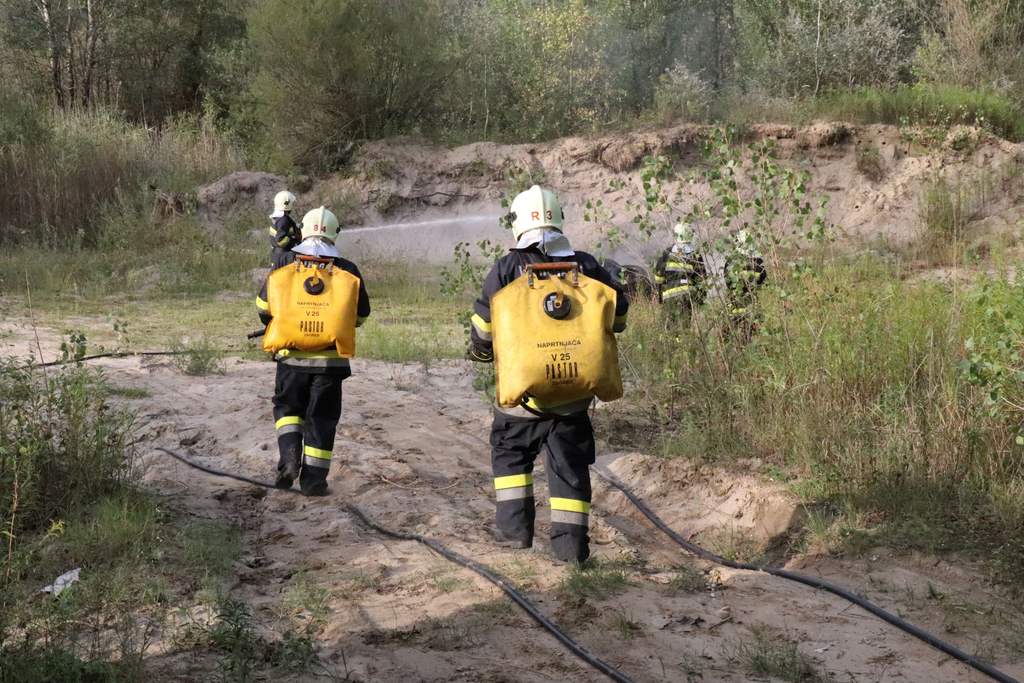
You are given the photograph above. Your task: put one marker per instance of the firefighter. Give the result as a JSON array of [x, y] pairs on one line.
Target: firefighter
[[284, 234], [307, 391], [743, 272], [519, 434], [680, 271]]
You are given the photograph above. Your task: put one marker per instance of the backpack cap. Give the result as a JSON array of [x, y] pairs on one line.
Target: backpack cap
[[320, 223], [535, 208]]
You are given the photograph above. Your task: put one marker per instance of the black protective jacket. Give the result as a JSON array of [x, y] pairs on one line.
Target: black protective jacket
[[284, 233], [679, 275], [326, 361]]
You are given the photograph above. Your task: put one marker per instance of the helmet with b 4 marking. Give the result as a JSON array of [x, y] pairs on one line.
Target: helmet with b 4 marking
[[320, 223]]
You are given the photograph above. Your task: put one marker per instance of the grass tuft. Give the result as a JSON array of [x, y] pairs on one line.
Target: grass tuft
[[198, 357], [766, 655], [593, 580], [686, 579]]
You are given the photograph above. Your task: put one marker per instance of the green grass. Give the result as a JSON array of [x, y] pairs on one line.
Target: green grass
[[209, 547], [923, 105], [853, 385], [686, 579], [198, 357], [766, 655], [594, 580], [447, 582], [411, 321], [623, 624], [69, 495], [946, 208]]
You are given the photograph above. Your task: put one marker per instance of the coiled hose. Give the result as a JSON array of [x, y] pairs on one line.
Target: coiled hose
[[905, 626], [449, 555]]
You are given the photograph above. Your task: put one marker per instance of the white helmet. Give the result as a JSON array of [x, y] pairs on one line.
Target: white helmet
[[320, 223], [284, 201], [535, 208], [745, 244], [683, 233]]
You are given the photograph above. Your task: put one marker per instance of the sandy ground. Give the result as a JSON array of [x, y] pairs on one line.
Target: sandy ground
[[412, 453]]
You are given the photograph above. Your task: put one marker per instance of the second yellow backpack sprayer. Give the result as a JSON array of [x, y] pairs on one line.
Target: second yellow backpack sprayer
[[314, 306], [553, 339]]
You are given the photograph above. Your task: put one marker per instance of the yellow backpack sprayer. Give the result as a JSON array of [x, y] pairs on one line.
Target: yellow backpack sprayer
[[314, 306], [553, 339]]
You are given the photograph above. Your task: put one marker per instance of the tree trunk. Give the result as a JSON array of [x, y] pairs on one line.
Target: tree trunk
[[70, 61], [89, 58], [45, 11]]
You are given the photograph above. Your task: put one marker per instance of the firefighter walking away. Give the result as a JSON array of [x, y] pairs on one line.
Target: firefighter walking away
[[680, 272], [546, 317], [284, 233], [744, 273], [311, 303]]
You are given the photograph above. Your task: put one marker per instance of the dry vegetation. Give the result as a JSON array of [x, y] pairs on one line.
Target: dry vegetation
[[889, 400]]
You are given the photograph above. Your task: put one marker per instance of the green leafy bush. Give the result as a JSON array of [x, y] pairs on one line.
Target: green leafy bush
[[852, 377], [62, 445]]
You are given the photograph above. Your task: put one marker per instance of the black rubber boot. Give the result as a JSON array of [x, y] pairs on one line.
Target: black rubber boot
[[316, 489], [504, 541], [288, 467]]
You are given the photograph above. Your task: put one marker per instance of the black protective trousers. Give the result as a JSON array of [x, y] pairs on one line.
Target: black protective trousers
[[307, 407], [515, 444]]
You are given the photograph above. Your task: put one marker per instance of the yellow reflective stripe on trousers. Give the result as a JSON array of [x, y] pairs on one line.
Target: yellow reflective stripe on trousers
[[316, 453], [482, 327], [675, 291], [481, 323], [291, 420], [570, 505], [262, 305], [621, 319], [513, 481]]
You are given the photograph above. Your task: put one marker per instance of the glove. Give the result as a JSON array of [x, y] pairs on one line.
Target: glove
[[480, 354]]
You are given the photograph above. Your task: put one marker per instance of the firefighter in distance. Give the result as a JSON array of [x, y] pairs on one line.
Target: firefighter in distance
[[744, 273], [519, 434], [284, 233], [680, 272], [308, 385]]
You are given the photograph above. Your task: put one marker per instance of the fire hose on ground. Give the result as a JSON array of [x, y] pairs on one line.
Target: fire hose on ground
[[128, 354], [449, 555], [899, 623], [577, 649]]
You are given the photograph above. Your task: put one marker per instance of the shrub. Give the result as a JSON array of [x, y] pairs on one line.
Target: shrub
[[946, 209], [371, 70], [833, 45], [64, 181], [851, 376], [682, 94], [61, 444], [198, 357]]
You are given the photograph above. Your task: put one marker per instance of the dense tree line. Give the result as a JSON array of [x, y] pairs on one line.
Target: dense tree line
[[314, 74]]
